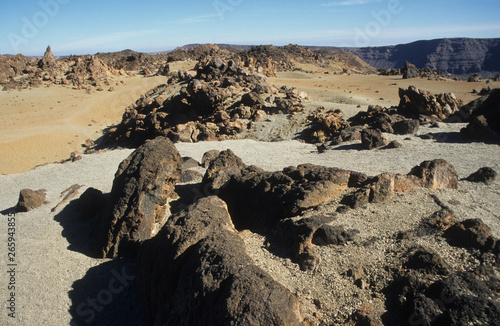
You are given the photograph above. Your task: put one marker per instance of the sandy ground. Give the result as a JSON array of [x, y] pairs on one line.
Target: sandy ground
[[44, 125], [52, 276]]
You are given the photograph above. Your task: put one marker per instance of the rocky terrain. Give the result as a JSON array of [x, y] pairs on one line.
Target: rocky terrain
[[459, 56], [226, 195]]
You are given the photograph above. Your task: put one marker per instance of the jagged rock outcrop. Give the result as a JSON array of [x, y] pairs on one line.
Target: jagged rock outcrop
[[48, 61], [373, 138], [30, 199], [215, 105], [195, 271], [416, 101], [460, 56], [137, 206], [483, 115]]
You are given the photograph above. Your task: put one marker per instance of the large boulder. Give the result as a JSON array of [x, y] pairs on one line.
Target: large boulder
[[414, 101], [195, 271], [373, 138], [409, 70], [138, 201], [436, 174], [30, 199], [257, 199], [484, 117]]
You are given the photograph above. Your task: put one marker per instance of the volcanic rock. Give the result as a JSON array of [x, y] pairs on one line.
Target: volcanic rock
[[30, 199], [486, 175], [415, 101], [372, 138], [436, 174], [208, 157], [195, 271], [138, 201], [48, 60], [471, 233], [410, 71], [484, 117]]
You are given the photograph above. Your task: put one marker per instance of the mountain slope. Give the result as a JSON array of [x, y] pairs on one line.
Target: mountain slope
[[456, 56]]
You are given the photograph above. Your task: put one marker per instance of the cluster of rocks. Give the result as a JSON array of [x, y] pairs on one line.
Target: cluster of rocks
[[80, 72], [409, 70], [417, 107], [189, 263], [192, 264], [222, 100]]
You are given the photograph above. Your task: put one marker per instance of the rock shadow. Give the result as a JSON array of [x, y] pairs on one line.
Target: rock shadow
[[76, 230], [106, 295], [8, 211]]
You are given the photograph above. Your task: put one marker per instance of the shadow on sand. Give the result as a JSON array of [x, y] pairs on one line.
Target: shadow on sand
[[106, 294]]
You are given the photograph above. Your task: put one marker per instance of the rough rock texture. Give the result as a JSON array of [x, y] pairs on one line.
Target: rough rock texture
[[30, 199], [138, 200], [409, 71], [436, 174], [471, 233], [486, 175], [484, 117], [373, 138], [416, 101], [220, 169], [460, 299], [272, 196], [208, 157], [455, 55], [48, 60], [195, 272]]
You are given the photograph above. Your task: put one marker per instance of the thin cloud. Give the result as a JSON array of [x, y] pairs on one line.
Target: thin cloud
[[198, 19], [348, 3]]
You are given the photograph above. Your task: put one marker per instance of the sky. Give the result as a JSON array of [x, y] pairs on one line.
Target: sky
[[91, 26]]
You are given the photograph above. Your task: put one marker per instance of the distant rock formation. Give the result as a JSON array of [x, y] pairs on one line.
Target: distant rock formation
[[460, 56], [48, 60]]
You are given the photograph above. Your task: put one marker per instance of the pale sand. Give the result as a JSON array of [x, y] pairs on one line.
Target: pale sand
[[45, 125], [47, 270]]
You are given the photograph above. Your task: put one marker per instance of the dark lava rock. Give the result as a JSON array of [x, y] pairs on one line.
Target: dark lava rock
[[333, 235], [90, 203], [257, 199], [471, 233], [459, 299], [485, 118], [30, 199], [486, 175], [195, 271], [427, 261], [189, 163], [191, 176], [138, 200], [394, 144], [409, 70], [407, 126], [372, 138], [220, 170]]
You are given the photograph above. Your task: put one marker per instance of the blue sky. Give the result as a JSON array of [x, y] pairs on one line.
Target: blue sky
[[90, 26]]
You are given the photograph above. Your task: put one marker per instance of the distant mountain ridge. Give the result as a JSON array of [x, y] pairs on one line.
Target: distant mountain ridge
[[458, 56]]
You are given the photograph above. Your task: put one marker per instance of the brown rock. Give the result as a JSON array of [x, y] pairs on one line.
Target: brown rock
[[138, 202], [436, 174], [416, 101], [208, 157], [372, 138], [196, 272], [48, 60], [30, 199]]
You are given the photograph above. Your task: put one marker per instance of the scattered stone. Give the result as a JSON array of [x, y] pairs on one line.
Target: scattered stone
[[373, 138], [405, 127], [471, 233], [436, 174], [484, 117], [427, 261], [30, 199], [394, 144], [486, 175], [415, 102], [333, 235]]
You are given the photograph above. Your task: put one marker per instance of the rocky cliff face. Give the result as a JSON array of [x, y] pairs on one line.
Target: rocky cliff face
[[456, 56]]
